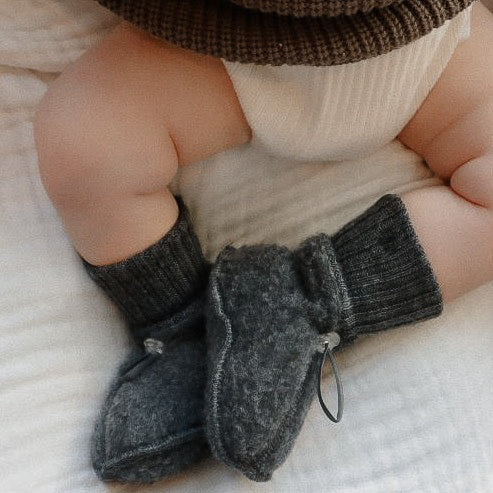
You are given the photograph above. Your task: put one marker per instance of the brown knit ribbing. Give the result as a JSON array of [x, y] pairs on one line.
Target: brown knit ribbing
[[314, 8], [245, 34]]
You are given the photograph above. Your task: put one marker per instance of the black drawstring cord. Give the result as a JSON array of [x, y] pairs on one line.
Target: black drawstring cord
[[340, 393]]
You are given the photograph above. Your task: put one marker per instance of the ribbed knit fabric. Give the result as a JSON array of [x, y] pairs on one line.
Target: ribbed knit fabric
[[387, 278], [159, 281], [313, 8], [347, 111], [245, 34], [269, 308]]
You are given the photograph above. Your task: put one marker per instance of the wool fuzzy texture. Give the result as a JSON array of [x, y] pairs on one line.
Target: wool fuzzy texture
[[268, 308], [409, 423], [308, 34], [151, 424]]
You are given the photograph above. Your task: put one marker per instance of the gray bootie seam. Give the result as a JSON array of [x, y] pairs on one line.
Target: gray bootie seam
[[269, 309], [151, 423]]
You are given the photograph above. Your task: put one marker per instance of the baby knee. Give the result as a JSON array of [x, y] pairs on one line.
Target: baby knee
[[474, 181]]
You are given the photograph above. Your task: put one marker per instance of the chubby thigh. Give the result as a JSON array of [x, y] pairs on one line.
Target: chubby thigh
[[137, 106], [112, 130], [454, 125], [192, 94]]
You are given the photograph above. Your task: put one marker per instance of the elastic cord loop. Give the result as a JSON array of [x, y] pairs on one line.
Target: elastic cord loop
[[340, 393]]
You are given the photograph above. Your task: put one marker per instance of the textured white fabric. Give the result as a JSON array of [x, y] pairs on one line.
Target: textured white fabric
[[418, 399], [346, 111]]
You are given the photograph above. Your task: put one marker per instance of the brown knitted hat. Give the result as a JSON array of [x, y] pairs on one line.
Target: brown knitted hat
[[293, 32]]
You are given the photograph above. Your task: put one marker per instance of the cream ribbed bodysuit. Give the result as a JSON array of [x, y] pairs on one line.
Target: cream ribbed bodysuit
[[343, 112]]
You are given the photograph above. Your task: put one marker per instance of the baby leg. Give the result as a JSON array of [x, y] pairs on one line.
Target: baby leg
[[110, 133], [112, 130], [453, 132]]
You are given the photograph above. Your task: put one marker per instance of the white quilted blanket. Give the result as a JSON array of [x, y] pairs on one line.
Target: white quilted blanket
[[419, 402]]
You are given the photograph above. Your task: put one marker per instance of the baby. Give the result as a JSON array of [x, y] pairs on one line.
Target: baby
[[111, 133]]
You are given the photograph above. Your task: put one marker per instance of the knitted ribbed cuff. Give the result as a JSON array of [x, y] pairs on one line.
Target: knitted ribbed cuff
[[158, 281], [388, 279]]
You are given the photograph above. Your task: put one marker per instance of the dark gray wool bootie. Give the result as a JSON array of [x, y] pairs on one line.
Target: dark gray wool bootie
[[270, 310], [151, 424]]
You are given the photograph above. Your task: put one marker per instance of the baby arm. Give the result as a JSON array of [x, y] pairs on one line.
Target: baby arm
[[453, 131], [113, 129]]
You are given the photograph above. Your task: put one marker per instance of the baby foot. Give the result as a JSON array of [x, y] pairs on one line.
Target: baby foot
[[151, 425], [270, 309]]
